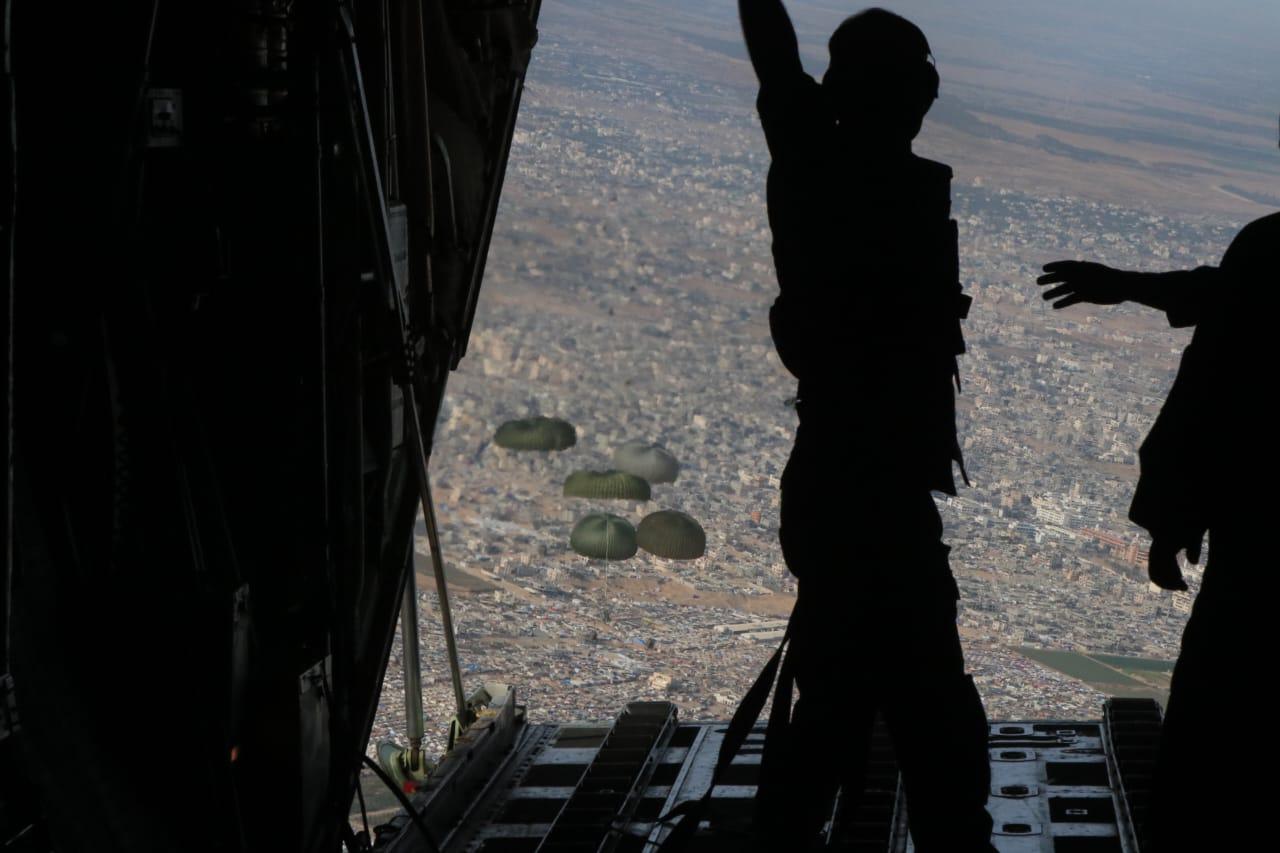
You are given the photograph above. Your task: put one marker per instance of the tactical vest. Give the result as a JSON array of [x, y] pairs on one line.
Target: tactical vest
[[868, 318]]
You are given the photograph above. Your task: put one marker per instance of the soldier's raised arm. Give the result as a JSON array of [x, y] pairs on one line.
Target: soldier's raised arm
[[771, 40]]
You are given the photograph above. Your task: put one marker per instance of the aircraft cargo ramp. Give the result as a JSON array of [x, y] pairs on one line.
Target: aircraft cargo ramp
[[507, 787]]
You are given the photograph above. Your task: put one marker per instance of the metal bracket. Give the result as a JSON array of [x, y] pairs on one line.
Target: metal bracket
[[9, 724]]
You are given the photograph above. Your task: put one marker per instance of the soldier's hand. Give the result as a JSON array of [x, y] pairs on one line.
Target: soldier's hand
[[1193, 548], [1083, 281], [1162, 565]]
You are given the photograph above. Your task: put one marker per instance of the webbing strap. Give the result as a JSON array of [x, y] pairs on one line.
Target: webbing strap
[[744, 719]]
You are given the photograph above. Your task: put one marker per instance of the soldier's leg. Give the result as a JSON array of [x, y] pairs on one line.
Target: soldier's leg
[[933, 710], [1183, 764], [801, 784], [939, 732], [826, 743], [1204, 797]]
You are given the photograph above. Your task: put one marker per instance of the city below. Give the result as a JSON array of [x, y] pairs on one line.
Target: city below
[[627, 292]]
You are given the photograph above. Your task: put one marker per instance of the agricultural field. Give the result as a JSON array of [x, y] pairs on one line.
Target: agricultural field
[[1110, 674]]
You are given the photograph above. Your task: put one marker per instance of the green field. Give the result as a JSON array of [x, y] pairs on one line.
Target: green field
[[1082, 667]]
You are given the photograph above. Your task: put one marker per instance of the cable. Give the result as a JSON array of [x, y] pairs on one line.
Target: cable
[[11, 216], [404, 802]]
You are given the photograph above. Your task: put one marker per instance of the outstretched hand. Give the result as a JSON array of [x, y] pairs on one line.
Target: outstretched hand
[[1082, 281]]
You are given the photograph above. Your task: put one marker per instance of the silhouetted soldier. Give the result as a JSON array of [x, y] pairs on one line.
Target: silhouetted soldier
[[1210, 464], [868, 321]]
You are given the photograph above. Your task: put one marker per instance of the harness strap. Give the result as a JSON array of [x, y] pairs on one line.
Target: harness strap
[[692, 812]]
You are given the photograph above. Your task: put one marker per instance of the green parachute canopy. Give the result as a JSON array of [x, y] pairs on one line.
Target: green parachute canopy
[[671, 534], [650, 462], [606, 485], [602, 536], [536, 434]]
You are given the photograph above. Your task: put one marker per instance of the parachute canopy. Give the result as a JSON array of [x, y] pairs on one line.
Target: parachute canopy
[[671, 534], [647, 461], [539, 433], [606, 485], [603, 536]]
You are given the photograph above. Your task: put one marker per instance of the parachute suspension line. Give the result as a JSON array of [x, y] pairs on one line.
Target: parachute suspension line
[[376, 209], [604, 572]]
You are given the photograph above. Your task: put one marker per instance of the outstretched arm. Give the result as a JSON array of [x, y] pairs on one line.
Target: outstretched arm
[[771, 40], [1180, 294]]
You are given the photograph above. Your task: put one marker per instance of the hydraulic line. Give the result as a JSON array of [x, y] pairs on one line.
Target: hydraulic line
[[412, 671], [376, 208], [405, 803]]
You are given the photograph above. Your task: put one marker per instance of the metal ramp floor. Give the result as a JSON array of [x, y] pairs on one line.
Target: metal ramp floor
[[1057, 787]]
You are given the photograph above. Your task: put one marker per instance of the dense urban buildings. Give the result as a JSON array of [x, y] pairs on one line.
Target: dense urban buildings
[[627, 292]]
